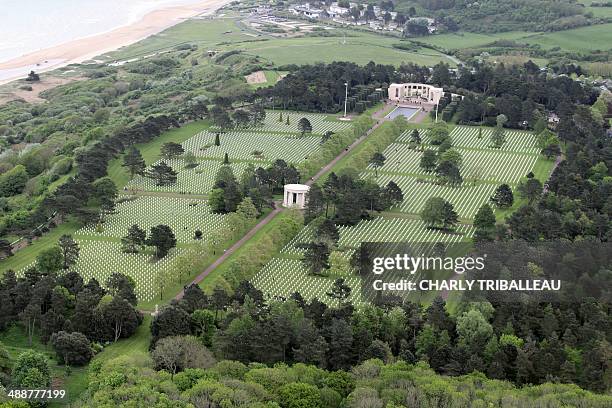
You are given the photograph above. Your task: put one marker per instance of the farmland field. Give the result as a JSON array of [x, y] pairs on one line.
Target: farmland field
[[595, 37]]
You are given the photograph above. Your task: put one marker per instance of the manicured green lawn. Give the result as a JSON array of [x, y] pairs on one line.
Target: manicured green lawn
[[208, 283]]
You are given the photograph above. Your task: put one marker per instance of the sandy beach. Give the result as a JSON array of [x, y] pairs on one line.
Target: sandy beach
[[84, 49]]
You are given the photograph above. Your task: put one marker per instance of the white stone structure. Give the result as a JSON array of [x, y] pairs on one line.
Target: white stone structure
[[295, 195], [410, 92]]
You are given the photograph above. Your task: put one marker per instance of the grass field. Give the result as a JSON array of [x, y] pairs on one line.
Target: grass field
[[461, 40], [224, 34], [596, 37]]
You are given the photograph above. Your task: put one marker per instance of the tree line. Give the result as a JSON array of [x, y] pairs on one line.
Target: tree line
[[522, 342]]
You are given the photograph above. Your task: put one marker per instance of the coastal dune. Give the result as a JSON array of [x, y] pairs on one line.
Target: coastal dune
[[84, 49]]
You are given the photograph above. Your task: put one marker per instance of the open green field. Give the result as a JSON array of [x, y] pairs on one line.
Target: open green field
[[596, 37], [360, 48], [224, 34], [597, 11], [453, 41]]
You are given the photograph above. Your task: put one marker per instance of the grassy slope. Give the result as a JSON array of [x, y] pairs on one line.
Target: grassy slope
[[27, 255], [596, 37], [138, 343], [467, 40], [360, 49]]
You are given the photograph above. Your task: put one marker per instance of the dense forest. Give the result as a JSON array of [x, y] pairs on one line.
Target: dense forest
[[522, 342], [371, 384]]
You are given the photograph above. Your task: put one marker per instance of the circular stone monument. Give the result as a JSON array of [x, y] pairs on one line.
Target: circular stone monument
[[295, 195]]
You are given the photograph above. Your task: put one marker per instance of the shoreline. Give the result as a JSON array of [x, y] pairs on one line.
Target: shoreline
[[82, 49]]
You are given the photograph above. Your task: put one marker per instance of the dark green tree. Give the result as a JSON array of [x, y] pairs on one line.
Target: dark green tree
[[304, 126], [503, 197], [163, 239], [171, 150], [70, 251], [377, 160], [163, 174], [72, 348], [135, 240], [316, 257], [428, 160], [134, 162]]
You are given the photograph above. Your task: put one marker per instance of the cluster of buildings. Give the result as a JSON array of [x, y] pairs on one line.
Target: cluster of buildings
[[376, 18]]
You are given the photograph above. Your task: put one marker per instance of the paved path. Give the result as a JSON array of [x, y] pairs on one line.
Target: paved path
[[232, 249], [342, 154]]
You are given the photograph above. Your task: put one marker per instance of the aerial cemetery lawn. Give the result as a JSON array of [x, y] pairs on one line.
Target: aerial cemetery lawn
[[182, 205], [483, 168]]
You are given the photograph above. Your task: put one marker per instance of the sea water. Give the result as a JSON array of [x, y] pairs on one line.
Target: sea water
[[32, 25]]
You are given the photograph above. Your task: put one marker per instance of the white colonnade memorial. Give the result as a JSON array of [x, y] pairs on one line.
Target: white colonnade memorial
[[295, 195]]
